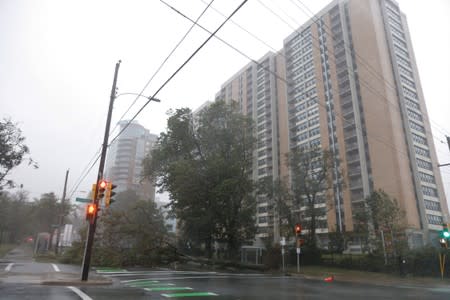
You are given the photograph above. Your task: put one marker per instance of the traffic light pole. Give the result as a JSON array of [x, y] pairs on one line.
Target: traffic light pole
[[92, 225]]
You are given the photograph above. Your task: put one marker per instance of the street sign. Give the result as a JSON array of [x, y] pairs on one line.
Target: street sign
[[299, 250], [283, 241], [84, 200]]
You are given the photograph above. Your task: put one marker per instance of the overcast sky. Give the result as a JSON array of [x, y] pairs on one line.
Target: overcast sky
[[57, 62]]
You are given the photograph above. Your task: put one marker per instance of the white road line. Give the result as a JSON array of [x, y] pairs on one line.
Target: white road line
[[8, 267], [82, 295], [55, 267]]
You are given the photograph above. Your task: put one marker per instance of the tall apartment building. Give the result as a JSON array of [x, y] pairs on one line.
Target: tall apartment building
[[347, 81], [124, 160], [255, 88]]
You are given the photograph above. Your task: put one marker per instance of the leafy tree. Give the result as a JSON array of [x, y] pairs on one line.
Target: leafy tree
[[134, 235], [206, 169], [382, 213], [12, 151], [15, 208], [280, 202], [312, 170]]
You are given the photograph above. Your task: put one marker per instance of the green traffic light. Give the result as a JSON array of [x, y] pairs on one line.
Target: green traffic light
[[446, 234]]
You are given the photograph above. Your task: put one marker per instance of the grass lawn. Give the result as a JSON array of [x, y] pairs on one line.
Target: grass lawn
[[5, 248]]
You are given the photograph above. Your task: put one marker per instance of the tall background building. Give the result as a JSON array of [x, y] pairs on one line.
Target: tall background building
[[125, 157], [347, 81]]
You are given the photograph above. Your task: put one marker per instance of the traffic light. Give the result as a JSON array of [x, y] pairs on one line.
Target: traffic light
[[90, 212], [102, 184], [109, 194], [444, 236], [445, 232], [298, 228]]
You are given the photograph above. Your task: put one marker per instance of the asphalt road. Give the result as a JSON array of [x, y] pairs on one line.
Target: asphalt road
[[22, 278], [253, 286]]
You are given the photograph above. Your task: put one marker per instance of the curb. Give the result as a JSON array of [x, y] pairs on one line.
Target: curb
[[76, 282]]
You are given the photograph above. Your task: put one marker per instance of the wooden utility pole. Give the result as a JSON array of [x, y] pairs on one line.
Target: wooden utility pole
[[62, 212], [92, 225]]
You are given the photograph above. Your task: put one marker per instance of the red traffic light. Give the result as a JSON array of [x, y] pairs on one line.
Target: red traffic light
[[102, 184], [298, 228], [91, 210]]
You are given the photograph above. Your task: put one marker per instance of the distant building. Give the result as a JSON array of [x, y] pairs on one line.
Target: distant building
[[125, 157], [346, 81]]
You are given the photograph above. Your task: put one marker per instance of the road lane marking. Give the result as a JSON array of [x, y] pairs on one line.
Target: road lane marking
[[145, 284], [194, 294], [173, 288], [82, 295], [8, 267], [55, 267], [139, 280]]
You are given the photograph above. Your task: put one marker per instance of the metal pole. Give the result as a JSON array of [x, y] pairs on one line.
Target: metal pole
[[93, 224], [282, 257], [61, 220], [298, 262]]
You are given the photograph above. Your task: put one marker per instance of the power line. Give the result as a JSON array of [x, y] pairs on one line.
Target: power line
[[163, 63], [361, 81], [362, 61], [284, 80], [181, 67], [84, 173]]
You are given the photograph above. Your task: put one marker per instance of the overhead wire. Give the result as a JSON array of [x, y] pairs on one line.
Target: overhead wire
[[163, 63], [96, 156], [181, 67], [373, 91], [364, 63]]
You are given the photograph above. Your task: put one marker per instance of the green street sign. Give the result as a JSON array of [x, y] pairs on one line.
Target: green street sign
[[84, 200]]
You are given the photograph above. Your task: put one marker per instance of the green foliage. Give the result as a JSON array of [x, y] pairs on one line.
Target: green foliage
[[40, 215], [312, 170], [381, 214], [12, 151], [280, 200], [136, 235], [206, 169], [14, 209]]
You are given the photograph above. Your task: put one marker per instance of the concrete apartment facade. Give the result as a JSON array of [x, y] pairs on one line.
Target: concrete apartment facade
[[347, 81], [125, 157]]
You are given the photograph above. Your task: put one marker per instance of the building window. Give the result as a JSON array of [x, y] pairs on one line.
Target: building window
[[427, 177], [428, 191], [417, 127], [432, 205], [421, 151], [424, 164], [435, 220], [414, 115], [418, 139]]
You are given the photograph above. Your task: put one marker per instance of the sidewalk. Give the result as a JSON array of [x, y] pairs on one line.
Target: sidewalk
[[23, 255], [382, 279]]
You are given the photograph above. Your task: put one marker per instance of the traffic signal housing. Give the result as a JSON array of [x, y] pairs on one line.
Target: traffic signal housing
[[91, 211], [94, 187], [444, 236], [102, 185], [109, 194], [298, 229]]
